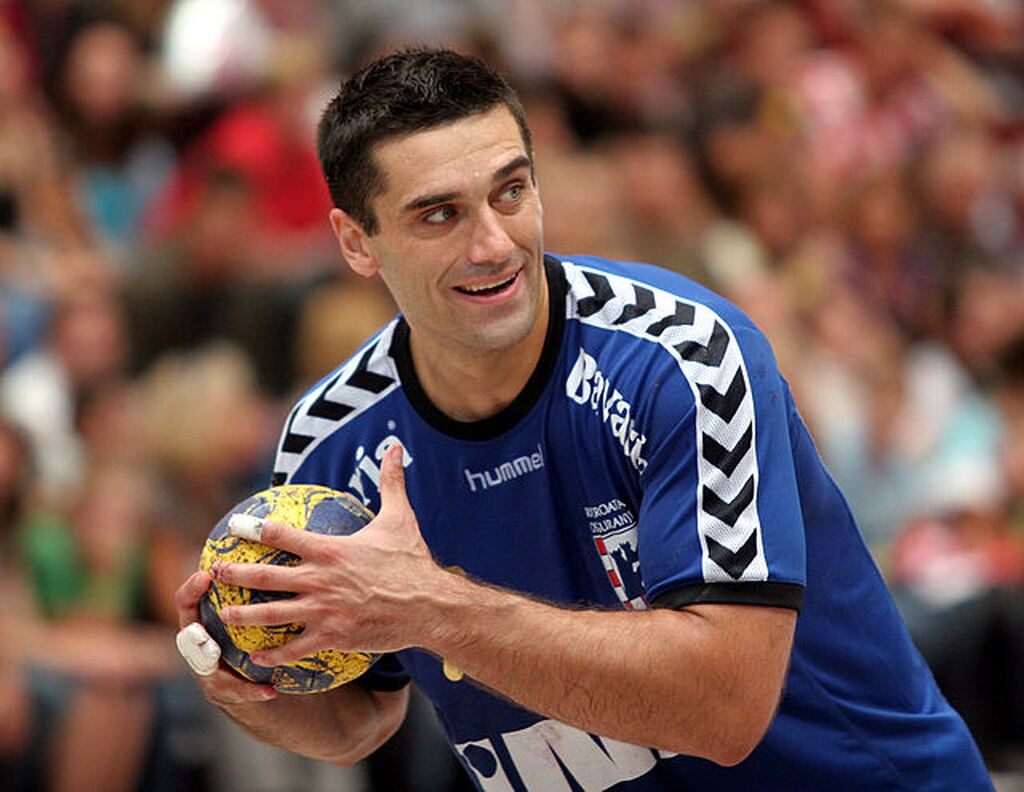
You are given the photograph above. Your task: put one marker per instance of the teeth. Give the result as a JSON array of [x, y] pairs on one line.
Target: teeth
[[487, 287]]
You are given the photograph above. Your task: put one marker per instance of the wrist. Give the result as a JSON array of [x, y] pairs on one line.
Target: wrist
[[452, 608]]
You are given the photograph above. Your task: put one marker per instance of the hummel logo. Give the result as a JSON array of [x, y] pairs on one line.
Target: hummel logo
[[506, 471]]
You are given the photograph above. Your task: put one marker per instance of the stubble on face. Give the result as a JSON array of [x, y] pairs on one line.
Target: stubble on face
[[459, 217]]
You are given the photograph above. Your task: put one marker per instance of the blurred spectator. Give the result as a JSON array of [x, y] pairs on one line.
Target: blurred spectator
[[40, 393], [959, 578], [986, 312], [581, 219], [17, 724], [31, 182], [120, 158], [871, 105], [334, 322], [268, 140], [80, 598], [888, 265], [1010, 392], [208, 430], [969, 216], [667, 211], [203, 285]]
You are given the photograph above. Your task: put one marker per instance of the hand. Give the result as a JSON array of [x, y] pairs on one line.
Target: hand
[[219, 684], [363, 592]]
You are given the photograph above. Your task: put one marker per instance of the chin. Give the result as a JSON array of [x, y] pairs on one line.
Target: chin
[[501, 334]]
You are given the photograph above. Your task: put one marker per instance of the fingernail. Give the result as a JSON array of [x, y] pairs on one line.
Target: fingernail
[[246, 526], [269, 693]]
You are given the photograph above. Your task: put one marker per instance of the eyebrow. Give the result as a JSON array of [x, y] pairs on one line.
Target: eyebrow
[[506, 170]]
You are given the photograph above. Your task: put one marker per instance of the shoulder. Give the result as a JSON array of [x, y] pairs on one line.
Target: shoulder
[[598, 286], [342, 396], [666, 331], [689, 363]]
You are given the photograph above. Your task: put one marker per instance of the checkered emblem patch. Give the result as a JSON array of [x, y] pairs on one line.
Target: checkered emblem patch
[[618, 551]]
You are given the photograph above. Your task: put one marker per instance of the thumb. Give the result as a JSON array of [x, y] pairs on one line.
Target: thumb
[[393, 498]]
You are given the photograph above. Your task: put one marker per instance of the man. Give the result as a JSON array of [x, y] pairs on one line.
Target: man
[[598, 510]]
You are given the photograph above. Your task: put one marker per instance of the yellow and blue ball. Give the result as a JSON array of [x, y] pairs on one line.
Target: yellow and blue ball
[[312, 508]]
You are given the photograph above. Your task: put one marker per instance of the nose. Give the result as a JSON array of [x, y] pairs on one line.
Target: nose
[[490, 243]]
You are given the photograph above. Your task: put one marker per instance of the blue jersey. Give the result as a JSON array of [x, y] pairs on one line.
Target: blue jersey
[[654, 458]]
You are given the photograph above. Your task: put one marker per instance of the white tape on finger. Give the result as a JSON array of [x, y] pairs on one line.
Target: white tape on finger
[[245, 526], [197, 647]]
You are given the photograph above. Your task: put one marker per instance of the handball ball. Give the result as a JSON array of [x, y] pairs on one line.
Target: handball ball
[[304, 506]]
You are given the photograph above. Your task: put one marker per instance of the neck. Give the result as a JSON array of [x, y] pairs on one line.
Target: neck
[[470, 385]]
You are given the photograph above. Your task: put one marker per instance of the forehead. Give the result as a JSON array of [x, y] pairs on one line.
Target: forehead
[[448, 158]]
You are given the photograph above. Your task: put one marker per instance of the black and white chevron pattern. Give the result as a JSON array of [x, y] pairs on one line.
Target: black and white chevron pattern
[[354, 387], [710, 360]]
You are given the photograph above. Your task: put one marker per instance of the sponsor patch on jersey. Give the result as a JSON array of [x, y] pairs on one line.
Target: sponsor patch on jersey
[[613, 526], [588, 385], [551, 756], [365, 478]]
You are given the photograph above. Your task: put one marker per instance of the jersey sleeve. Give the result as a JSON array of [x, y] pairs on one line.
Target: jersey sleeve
[[720, 518]]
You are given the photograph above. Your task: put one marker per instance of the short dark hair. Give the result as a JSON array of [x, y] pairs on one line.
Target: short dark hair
[[401, 93]]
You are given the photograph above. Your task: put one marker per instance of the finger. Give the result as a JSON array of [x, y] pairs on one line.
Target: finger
[[197, 647], [302, 646], [186, 598], [264, 577], [263, 614], [393, 498], [225, 687], [275, 534]]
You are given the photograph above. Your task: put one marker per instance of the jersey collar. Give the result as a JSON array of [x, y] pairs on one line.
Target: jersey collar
[[498, 424]]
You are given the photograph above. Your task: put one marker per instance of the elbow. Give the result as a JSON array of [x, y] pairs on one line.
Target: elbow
[[739, 735], [365, 733], [733, 753], [350, 760], [726, 741], [352, 751]]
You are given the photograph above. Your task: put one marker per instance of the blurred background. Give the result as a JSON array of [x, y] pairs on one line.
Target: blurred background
[[850, 172]]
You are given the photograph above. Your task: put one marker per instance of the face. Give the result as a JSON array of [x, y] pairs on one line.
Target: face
[[459, 239]]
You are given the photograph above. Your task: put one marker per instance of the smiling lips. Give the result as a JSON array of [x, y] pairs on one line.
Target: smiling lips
[[488, 289]]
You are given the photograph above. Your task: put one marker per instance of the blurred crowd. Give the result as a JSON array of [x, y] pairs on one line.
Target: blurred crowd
[[850, 172]]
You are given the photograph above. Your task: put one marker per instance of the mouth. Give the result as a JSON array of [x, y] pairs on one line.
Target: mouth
[[489, 288]]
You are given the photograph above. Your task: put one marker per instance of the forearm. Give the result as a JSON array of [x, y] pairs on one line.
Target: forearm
[[342, 726], [672, 680]]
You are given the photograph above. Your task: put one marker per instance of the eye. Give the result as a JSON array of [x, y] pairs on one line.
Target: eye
[[512, 194], [439, 215]]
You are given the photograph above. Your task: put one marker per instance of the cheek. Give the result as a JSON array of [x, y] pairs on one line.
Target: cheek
[[413, 283], [525, 227]]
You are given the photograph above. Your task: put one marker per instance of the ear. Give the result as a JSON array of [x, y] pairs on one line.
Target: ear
[[354, 243]]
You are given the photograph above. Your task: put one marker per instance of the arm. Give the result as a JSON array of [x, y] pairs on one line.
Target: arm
[[703, 681], [341, 726]]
